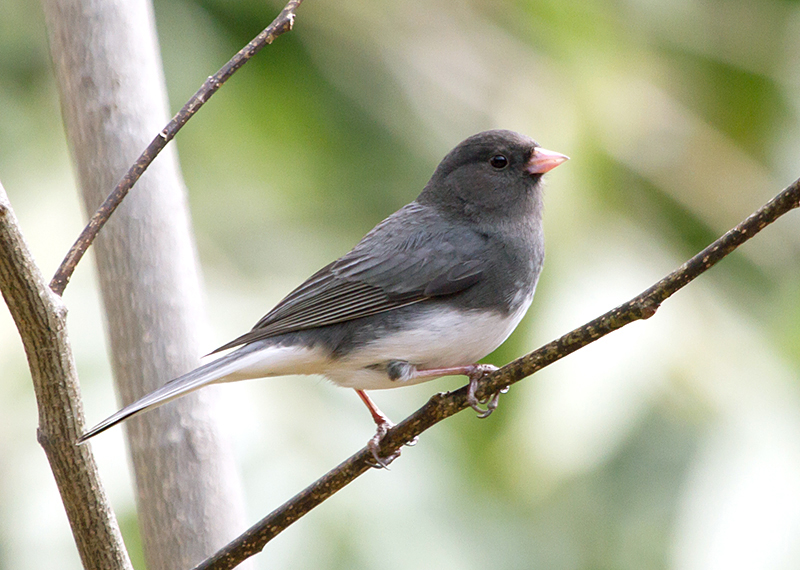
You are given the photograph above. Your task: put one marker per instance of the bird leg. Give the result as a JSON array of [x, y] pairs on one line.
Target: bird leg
[[474, 372], [383, 424]]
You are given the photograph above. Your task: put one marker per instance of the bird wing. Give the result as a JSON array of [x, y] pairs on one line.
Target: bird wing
[[411, 256]]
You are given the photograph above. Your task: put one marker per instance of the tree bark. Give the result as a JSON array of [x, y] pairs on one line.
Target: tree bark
[[113, 101], [40, 317]]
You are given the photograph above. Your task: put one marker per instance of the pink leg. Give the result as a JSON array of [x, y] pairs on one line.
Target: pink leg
[[383, 423], [468, 370], [377, 416], [474, 372]]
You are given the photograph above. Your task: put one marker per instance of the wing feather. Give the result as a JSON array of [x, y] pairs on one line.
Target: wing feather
[[411, 256]]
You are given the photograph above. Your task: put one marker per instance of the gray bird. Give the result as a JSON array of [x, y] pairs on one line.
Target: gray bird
[[427, 293]]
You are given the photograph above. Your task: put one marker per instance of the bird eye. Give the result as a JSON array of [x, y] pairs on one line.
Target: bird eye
[[498, 161]]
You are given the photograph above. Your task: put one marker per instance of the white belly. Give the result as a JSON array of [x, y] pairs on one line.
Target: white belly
[[451, 339]]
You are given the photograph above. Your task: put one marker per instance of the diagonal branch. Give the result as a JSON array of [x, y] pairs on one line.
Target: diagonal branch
[[444, 405], [282, 24]]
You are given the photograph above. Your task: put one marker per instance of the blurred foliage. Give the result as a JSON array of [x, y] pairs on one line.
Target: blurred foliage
[[675, 444]]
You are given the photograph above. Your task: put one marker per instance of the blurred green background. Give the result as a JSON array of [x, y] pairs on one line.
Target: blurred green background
[[674, 443]]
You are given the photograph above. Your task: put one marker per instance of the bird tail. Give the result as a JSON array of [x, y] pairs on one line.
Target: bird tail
[[197, 378]]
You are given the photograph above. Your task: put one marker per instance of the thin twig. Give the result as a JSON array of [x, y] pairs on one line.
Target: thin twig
[[444, 405], [282, 24]]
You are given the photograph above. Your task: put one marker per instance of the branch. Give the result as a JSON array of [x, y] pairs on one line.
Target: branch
[[282, 24], [444, 405], [41, 320], [112, 94]]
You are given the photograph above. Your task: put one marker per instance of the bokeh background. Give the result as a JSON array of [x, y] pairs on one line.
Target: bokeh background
[[674, 443]]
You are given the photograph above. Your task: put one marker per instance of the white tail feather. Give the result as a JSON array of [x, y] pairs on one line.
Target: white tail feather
[[252, 361]]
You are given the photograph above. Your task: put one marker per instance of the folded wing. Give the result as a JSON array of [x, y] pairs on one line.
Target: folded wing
[[383, 272]]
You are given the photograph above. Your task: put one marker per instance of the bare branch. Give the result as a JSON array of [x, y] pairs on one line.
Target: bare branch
[[282, 24], [113, 101], [444, 405], [41, 320]]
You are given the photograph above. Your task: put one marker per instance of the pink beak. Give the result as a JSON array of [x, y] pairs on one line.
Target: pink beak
[[543, 160]]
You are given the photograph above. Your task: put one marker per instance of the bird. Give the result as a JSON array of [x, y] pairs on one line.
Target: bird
[[428, 292]]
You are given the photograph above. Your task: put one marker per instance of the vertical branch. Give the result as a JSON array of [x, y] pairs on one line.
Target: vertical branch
[[40, 318], [113, 99]]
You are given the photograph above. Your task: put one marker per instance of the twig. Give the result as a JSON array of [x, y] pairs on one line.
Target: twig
[[40, 317], [282, 24], [444, 405]]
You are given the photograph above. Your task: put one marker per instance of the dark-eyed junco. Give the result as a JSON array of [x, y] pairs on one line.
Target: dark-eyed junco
[[428, 292]]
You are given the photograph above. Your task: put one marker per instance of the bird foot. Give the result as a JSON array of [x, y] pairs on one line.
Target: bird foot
[[383, 424], [475, 375], [374, 446]]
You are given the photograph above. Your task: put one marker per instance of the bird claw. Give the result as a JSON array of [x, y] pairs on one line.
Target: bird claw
[[374, 446], [479, 372]]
